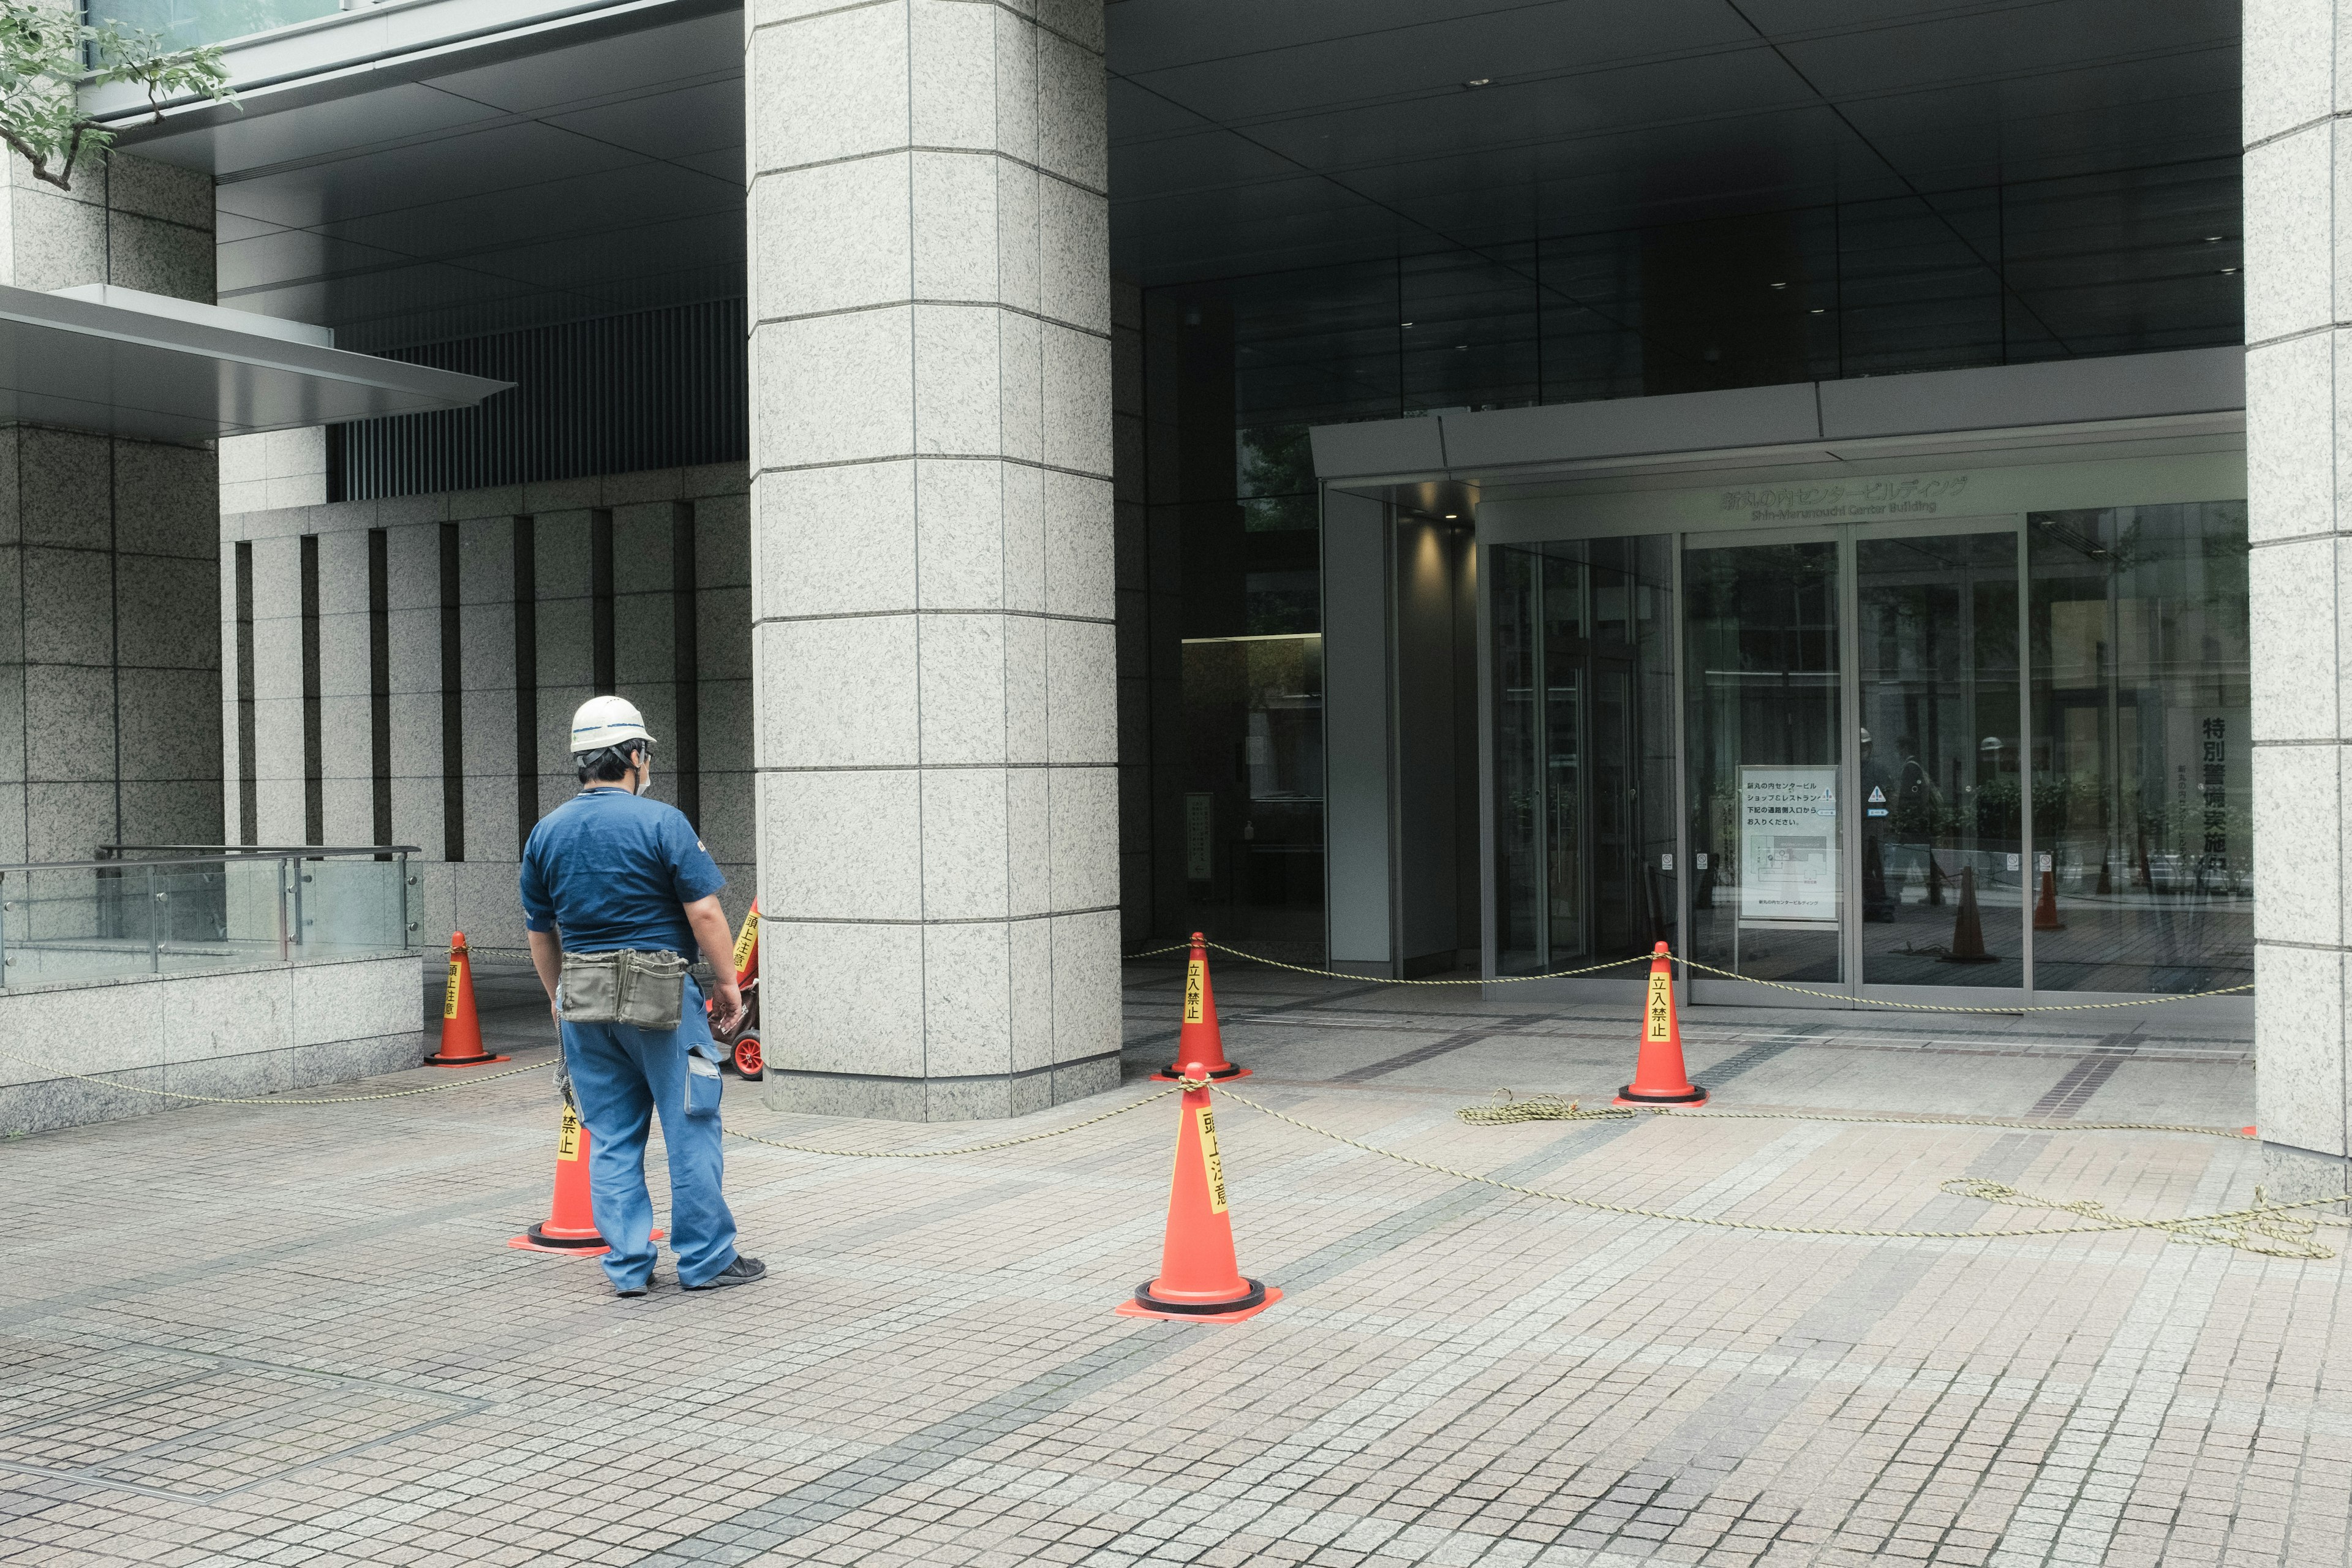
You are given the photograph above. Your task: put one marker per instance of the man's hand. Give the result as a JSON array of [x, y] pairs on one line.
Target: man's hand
[[547, 957], [728, 1011], [708, 923]]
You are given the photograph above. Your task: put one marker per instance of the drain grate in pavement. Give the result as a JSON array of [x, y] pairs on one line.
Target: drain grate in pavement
[[212, 1426]]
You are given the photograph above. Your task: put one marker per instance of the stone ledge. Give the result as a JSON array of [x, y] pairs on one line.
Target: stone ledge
[[233, 1035], [52, 1103], [978, 1098]]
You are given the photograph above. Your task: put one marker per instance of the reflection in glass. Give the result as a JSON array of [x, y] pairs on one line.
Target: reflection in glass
[[1940, 768], [1584, 767], [1254, 790], [1762, 687], [184, 24], [2142, 754]]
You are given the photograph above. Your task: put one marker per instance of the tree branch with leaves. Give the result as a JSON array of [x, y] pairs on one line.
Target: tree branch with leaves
[[48, 54]]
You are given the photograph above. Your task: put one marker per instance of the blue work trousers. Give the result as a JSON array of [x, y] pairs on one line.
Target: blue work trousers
[[620, 1076]]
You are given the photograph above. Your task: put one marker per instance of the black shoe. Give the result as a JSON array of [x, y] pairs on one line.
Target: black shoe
[[639, 1291], [743, 1271]]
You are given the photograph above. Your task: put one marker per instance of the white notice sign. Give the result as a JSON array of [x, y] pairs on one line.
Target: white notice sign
[[1788, 845]]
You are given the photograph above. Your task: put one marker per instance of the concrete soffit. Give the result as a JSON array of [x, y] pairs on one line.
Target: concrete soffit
[[2052, 411]]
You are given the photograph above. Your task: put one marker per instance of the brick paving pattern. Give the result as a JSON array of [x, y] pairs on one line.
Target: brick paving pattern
[[297, 1336]]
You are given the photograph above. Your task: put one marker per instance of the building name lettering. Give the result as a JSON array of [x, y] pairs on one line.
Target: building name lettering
[[1834, 500]]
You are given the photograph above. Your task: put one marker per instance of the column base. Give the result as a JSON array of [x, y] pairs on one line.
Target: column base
[[2297, 1175], [977, 1098]]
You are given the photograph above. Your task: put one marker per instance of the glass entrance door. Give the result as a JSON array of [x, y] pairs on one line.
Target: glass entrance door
[[1939, 693], [1947, 763], [1584, 751], [1853, 716], [1765, 745]]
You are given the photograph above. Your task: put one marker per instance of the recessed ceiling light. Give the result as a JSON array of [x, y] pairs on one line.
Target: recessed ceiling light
[[2215, 238], [1404, 324], [2226, 271], [1780, 285], [1461, 348], [1453, 516], [1479, 81], [1817, 309]]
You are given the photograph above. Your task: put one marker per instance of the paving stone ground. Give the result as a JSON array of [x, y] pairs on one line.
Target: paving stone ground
[[277, 1335]]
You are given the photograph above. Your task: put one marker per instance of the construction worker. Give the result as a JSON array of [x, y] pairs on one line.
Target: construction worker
[[616, 891]]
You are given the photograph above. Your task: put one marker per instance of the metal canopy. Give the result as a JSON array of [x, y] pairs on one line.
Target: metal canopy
[[166, 370]]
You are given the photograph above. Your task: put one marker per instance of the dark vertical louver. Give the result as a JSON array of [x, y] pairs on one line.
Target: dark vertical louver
[[687, 673], [314, 760], [453, 709], [248, 777], [604, 653], [526, 678], [659, 389], [380, 681]]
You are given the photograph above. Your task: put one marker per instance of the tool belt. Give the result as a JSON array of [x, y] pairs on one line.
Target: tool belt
[[644, 989]]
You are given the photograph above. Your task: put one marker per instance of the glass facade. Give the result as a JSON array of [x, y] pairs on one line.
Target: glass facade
[[1231, 371], [185, 23], [1765, 754], [1941, 780], [1254, 788], [2011, 756], [2142, 749], [1584, 774]]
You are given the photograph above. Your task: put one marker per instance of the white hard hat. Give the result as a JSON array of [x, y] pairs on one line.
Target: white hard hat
[[605, 722]]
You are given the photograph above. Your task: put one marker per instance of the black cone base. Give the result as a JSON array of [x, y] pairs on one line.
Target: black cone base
[[1256, 1297], [1697, 1095], [538, 1237], [1175, 1070]]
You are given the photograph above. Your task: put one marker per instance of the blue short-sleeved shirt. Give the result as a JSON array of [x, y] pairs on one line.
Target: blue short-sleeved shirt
[[610, 870]]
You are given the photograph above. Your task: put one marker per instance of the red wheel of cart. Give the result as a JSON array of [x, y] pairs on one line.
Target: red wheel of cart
[[748, 1060]]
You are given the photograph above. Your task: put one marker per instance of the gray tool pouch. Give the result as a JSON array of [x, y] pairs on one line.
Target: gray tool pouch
[[646, 990]]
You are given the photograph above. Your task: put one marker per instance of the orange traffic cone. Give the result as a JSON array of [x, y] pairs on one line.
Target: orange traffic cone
[[1199, 1280], [1967, 926], [1199, 1041], [461, 1030], [2045, 912], [571, 1226], [1659, 1078], [747, 948]]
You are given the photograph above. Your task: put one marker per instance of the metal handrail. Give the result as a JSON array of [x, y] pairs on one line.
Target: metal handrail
[[107, 852], [292, 931]]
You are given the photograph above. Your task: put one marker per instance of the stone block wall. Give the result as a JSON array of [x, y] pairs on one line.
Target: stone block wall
[[425, 678], [229, 1033], [110, 656]]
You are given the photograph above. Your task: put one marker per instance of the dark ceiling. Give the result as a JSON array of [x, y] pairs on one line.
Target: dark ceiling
[[1253, 138], [1249, 137]]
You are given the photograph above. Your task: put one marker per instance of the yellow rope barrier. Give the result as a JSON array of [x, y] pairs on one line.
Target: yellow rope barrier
[[276, 1098], [2270, 1230], [1838, 996]]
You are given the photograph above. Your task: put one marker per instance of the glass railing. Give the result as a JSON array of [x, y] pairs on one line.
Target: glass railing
[[185, 23], [180, 909]]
